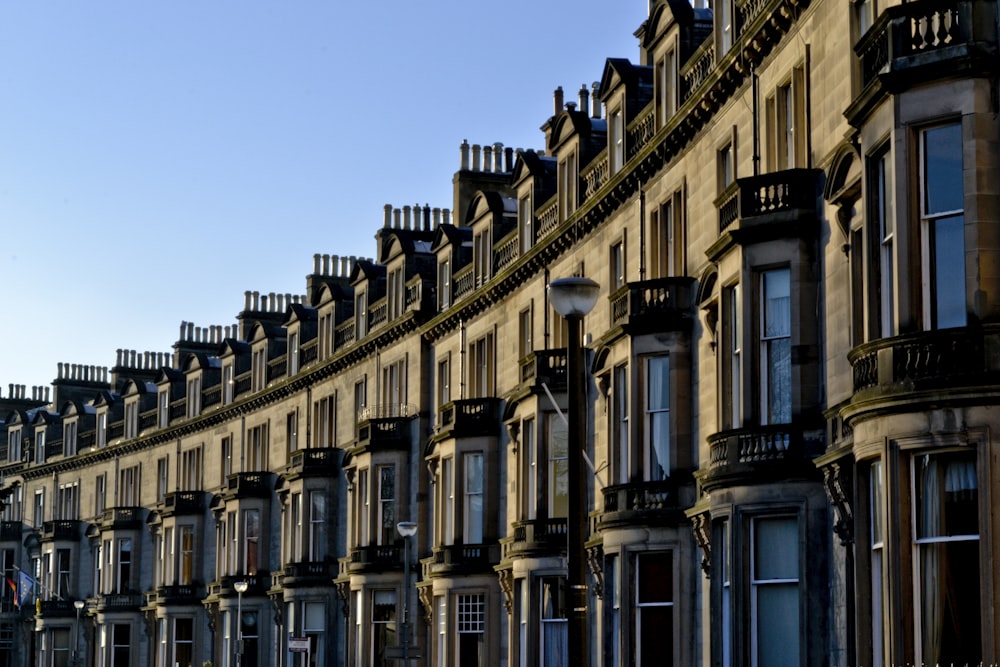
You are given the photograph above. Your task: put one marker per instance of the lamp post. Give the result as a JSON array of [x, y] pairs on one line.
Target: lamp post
[[573, 298], [78, 605], [241, 588], [407, 529]]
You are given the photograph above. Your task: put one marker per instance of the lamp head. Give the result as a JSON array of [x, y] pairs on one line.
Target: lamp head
[[574, 296], [79, 604], [241, 586], [407, 528]]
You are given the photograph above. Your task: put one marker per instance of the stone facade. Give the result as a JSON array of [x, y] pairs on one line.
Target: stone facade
[[791, 210]]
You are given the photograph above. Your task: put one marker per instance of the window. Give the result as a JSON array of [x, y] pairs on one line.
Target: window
[[529, 445], [554, 650], [183, 641], [616, 141], [123, 579], [69, 438], [162, 471], [444, 284], [39, 513], [654, 614], [786, 124], [473, 511], [883, 217], [384, 633], [128, 487], [775, 347], [481, 367], [774, 591], [864, 15], [121, 644], [258, 365], [132, 418], [102, 429], [360, 315], [396, 293], [616, 266], [946, 559], [60, 646], [394, 388], [293, 353], [40, 444], [363, 509], [471, 619], [249, 636], [14, 446], [69, 502], [163, 408], [482, 257], [525, 226], [568, 185], [613, 608], [386, 504], [725, 25], [558, 471], [185, 539], [667, 238], [725, 561], [441, 616], [360, 398], [876, 496], [100, 494], [313, 627], [524, 326], [325, 334], [191, 470], [448, 491], [732, 371], [62, 579], [294, 544], [942, 219], [317, 536], [194, 396], [621, 444], [251, 541], [324, 422], [228, 383], [726, 165], [657, 424], [292, 430], [226, 455], [255, 457], [444, 381], [666, 87]]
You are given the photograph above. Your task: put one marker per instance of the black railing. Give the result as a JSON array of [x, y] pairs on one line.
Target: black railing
[[545, 366]]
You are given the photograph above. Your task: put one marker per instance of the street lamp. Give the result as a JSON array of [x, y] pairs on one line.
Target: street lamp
[[407, 529], [241, 588], [573, 298], [78, 605]]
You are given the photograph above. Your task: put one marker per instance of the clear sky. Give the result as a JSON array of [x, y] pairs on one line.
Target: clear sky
[[158, 159]]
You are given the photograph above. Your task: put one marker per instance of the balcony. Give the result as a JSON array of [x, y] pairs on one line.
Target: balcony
[[648, 306], [760, 454], [122, 518], [469, 418], [307, 573], [642, 504], [384, 429], [537, 537], [917, 42], [184, 503], [249, 485], [66, 530], [937, 364], [257, 584], [120, 602], [319, 462], [461, 559], [56, 609], [179, 594], [373, 558], [546, 367]]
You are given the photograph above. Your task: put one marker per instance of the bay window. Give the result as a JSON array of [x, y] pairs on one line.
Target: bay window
[[472, 510], [774, 591], [386, 504], [558, 467], [775, 347], [657, 424], [654, 613]]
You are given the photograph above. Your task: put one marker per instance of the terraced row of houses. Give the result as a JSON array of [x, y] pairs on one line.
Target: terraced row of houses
[[792, 211]]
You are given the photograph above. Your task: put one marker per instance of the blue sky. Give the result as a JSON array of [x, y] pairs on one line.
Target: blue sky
[[157, 159]]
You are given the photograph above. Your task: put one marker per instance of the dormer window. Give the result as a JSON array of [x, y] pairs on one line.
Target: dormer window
[[228, 383], [69, 438], [193, 397], [525, 215], [14, 445], [567, 185], [360, 315], [396, 293], [40, 445], [293, 353], [444, 284], [725, 26], [482, 253], [666, 87], [325, 334], [102, 429], [259, 369], [132, 418], [616, 140], [163, 408]]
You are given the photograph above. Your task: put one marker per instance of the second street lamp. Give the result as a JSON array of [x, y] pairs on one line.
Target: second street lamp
[[573, 298], [241, 588], [407, 529]]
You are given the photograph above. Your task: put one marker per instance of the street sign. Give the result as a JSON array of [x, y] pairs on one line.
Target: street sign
[[298, 644]]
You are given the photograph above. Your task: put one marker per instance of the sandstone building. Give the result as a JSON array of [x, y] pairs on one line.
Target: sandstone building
[[792, 209]]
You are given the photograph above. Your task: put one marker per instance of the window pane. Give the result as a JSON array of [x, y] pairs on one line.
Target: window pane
[[950, 605], [943, 169], [948, 496], [655, 578], [776, 553], [656, 637], [777, 625], [948, 246]]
